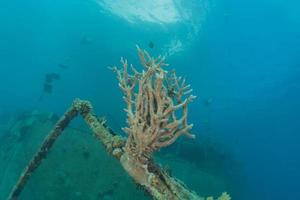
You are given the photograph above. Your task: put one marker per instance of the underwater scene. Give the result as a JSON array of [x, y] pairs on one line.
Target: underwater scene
[[149, 99]]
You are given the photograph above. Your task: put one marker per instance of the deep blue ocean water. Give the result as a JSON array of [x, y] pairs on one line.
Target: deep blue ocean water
[[242, 59]]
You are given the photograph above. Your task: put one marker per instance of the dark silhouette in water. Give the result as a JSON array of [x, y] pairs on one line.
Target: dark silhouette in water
[[86, 154], [151, 45], [48, 88], [48, 83], [52, 76]]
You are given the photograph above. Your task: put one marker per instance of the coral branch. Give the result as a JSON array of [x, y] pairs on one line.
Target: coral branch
[[153, 105]]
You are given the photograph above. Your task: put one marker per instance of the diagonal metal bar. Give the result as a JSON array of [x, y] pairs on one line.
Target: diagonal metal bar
[[164, 187], [42, 152]]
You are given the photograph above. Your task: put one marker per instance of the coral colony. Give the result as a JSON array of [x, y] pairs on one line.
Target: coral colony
[[157, 110], [151, 118]]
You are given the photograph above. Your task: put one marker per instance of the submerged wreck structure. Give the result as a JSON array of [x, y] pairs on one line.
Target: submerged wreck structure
[[157, 110]]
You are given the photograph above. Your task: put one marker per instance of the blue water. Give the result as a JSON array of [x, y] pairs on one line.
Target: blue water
[[241, 58]]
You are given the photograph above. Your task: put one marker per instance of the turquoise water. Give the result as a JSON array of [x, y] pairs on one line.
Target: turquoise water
[[241, 58]]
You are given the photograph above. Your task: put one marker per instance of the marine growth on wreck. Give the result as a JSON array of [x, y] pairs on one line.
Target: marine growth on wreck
[[157, 114]]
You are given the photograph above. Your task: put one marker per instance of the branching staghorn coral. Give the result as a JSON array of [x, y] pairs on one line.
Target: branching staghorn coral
[[153, 97]]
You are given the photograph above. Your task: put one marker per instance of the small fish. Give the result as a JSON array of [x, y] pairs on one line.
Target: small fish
[[151, 44], [48, 87]]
